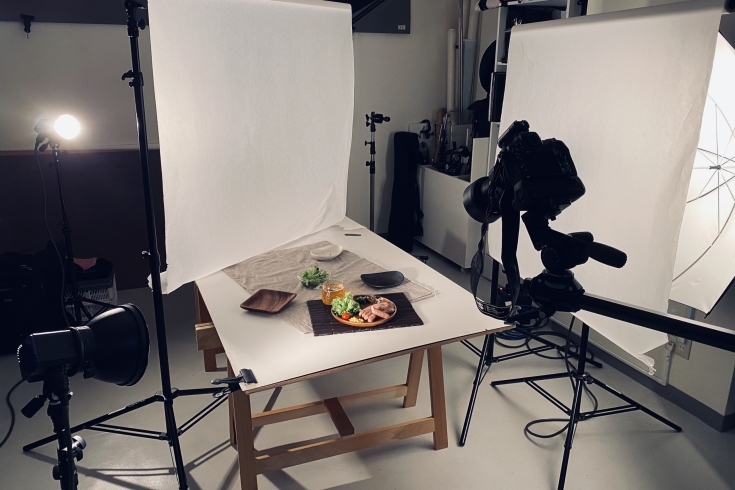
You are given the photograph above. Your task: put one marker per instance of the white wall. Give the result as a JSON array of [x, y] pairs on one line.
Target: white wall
[[601, 6], [75, 69], [404, 77]]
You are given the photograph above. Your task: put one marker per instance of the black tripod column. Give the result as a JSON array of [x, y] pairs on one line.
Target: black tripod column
[[134, 26], [65, 471], [66, 231], [371, 120]]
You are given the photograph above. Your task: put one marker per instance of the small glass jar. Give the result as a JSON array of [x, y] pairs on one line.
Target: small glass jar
[[332, 288]]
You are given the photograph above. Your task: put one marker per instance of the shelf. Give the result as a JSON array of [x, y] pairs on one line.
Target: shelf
[[536, 3]]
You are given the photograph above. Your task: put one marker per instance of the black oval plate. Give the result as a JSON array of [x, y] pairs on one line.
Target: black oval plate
[[382, 280]]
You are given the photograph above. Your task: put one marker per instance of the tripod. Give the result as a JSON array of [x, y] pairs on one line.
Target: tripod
[[371, 120], [556, 289], [580, 377], [167, 395], [487, 358], [76, 300]]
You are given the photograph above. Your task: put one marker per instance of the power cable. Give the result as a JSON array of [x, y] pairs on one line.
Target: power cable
[[527, 429], [12, 412]]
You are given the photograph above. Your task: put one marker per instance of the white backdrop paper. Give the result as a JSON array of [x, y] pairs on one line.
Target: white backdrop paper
[[705, 260], [625, 92], [254, 102]]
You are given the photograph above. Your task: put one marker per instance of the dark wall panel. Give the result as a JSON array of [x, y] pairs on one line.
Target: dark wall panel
[[104, 197], [66, 11]]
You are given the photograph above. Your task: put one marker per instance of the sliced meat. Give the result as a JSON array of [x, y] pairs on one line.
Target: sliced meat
[[365, 312], [371, 318], [385, 306], [381, 314], [382, 306]]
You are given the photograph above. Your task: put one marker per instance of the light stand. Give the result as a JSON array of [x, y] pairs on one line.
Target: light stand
[[371, 120], [76, 300], [486, 353], [69, 449], [167, 393]]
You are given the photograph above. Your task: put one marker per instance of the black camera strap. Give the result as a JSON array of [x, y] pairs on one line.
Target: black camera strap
[[511, 219]]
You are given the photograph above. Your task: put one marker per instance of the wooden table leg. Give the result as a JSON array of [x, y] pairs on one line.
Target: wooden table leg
[[244, 434], [413, 378], [438, 406]]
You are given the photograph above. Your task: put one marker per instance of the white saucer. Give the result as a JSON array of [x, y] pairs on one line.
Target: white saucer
[[327, 253]]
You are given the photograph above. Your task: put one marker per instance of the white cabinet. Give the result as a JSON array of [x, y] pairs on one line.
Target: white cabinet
[[448, 229]]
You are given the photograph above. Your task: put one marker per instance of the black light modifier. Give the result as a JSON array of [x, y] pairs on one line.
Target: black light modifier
[[112, 347]]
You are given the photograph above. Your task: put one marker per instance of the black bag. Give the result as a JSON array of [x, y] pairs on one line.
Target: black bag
[[405, 209]]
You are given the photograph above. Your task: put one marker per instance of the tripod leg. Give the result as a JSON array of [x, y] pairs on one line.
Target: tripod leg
[[571, 429], [172, 430], [487, 354], [637, 405]]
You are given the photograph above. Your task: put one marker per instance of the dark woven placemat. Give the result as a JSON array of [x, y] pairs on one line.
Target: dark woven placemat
[[324, 323]]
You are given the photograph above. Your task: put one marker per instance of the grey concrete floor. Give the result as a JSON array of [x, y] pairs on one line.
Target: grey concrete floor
[[627, 451]]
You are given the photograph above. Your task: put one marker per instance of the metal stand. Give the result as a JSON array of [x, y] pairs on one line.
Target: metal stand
[[371, 120], [70, 449], [167, 395], [76, 300], [487, 359], [579, 377]]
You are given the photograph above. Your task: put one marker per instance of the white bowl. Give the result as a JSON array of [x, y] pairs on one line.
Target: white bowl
[[327, 253]]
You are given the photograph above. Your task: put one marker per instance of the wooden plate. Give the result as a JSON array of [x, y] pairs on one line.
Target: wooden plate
[[268, 301], [366, 324]]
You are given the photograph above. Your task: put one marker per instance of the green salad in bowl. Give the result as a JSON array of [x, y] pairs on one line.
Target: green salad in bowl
[[313, 277]]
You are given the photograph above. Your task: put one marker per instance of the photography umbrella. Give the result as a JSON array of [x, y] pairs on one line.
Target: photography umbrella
[[705, 262]]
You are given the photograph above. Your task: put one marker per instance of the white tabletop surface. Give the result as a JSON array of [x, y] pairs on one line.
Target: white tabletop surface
[[278, 353]]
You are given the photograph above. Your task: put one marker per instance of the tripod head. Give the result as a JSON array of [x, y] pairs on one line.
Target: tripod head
[[373, 118]]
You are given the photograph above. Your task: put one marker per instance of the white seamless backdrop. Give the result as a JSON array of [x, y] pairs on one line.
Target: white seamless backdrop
[[254, 102], [625, 91]]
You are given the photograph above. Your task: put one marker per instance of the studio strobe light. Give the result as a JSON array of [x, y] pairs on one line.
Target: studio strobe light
[[113, 347]]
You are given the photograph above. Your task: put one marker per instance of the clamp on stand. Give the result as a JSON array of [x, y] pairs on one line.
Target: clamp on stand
[[371, 120]]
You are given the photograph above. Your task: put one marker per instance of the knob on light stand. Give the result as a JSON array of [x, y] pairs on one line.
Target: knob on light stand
[[371, 120]]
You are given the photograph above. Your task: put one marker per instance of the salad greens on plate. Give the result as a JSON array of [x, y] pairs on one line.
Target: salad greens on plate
[[346, 304]]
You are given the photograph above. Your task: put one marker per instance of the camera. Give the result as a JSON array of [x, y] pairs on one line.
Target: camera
[[540, 174]]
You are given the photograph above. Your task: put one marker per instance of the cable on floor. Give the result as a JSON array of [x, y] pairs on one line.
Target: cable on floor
[[12, 412], [567, 349]]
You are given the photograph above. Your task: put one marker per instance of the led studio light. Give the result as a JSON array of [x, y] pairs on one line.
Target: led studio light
[[67, 126]]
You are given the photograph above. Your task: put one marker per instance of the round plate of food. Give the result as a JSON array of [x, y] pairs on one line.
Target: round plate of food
[[373, 311]]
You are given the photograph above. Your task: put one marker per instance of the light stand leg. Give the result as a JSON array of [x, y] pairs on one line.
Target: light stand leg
[[486, 355], [579, 376]]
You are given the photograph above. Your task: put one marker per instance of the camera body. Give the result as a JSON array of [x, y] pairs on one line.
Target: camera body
[[540, 174]]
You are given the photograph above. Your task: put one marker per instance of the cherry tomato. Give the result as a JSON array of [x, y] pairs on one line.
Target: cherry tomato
[[346, 316]]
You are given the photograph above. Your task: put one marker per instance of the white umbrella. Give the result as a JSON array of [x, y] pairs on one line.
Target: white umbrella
[[705, 259]]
